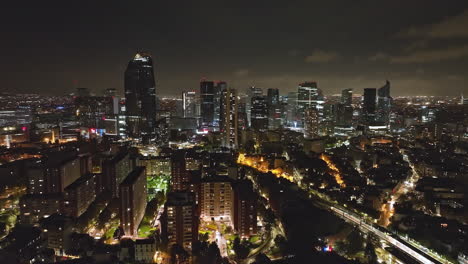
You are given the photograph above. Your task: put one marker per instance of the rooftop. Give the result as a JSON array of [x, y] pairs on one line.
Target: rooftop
[[179, 198], [133, 176]]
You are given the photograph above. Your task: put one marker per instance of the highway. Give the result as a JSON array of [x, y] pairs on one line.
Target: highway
[[418, 252], [389, 238]]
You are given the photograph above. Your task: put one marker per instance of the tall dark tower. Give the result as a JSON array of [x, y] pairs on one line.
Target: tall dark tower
[[384, 103], [219, 87], [347, 96], [344, 110], [274, 108], [369, 105], [207, 103], [140, 98], [259, 113]]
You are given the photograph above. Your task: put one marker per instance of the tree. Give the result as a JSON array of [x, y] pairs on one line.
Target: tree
[[213, 253], [225, 261], [262, 259], [196, 248], [178, 254], [282, 244], [241, 250], [81, 244], [250, 146], [228, 230], [355, 243], [369, 252], [204, 253], [204, 237]]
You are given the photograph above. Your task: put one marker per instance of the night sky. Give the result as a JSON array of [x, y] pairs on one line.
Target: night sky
[[421, 46]]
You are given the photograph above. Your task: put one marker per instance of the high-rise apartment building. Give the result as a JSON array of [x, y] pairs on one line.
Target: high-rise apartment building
[[228, 122], [180, 219], [57, 230], [180, 176], [311, 123], [33, 207], [217, 199], [115, 169], [133, 201], [79, 195], [245, 209], [140, 98], [53, 173], [219, 88]]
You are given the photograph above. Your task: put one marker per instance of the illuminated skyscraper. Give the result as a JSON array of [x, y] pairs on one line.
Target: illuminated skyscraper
[[311, 123], [140, 98], [309, 96], [189, 103], [219, 88], [228, 122], [251, 93]]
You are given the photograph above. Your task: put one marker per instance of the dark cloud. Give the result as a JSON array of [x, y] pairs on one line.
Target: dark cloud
[[49, 46], [242, 72], [432, 55], [319, 56], [449, 27]]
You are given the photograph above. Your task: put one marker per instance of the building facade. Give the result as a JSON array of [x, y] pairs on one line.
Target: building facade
[[245, 210], [259, 113], [133, 201], [79, 195], [207, 107], [369, 105], [311, 123], [181, 219], [228, 122], [309, 96], [217, 199]]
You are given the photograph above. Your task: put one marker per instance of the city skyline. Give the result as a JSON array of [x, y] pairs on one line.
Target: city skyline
[[271, 46], [259, 132]]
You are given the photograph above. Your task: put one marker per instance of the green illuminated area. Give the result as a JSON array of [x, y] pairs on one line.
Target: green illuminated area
[[9, 210], [148, 225], [157, 183]]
